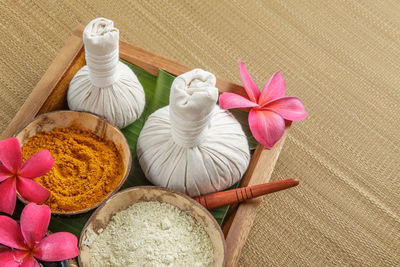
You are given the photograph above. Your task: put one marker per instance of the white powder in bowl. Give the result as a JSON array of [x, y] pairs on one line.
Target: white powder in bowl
[[151, 234]]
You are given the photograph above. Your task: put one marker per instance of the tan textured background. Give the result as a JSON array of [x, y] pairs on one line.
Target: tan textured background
[[342, 58]]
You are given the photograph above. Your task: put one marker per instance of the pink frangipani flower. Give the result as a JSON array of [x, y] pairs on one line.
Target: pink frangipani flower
[[15, 176], [29, 242], [268, 109]]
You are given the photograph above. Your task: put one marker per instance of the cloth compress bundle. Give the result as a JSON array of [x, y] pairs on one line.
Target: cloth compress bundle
[[106, 86], [193, 145]]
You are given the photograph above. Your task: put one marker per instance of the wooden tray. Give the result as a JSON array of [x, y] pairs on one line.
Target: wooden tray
[[50, 94]]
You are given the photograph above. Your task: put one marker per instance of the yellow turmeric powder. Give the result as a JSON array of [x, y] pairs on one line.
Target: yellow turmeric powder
[[86, 168]]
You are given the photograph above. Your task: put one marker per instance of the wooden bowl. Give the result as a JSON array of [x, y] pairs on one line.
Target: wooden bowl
[[84, 121], [128, 197]]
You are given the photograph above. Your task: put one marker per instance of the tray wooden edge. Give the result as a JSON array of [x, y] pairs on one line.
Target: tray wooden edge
[[151, 62], [237, 226], [241, 217]]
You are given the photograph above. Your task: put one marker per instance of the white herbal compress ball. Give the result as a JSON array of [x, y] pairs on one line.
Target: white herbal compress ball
[[106, 86], [192, 145]]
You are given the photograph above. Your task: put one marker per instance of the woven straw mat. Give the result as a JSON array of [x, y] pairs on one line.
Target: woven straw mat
[[342, 58]]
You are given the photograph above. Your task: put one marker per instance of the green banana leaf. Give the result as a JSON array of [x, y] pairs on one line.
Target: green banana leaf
[[242, 117], [157, 90]]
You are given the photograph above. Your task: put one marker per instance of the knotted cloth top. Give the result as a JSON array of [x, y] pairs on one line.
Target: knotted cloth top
[[101, 41], [192, 100]]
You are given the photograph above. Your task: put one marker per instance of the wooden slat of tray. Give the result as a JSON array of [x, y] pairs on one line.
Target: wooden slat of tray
[[50, 94]]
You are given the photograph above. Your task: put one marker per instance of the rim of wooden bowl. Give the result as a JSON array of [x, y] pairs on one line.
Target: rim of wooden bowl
[[118, 187], [157, 188]]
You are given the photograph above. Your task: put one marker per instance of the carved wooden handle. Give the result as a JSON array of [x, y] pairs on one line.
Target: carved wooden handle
[[220, 199]]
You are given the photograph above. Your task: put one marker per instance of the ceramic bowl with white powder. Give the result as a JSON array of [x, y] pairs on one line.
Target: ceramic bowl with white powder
[[151, 226]]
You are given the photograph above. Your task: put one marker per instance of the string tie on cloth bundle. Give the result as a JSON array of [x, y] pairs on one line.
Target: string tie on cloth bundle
[[103, 70], [105, 86]]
